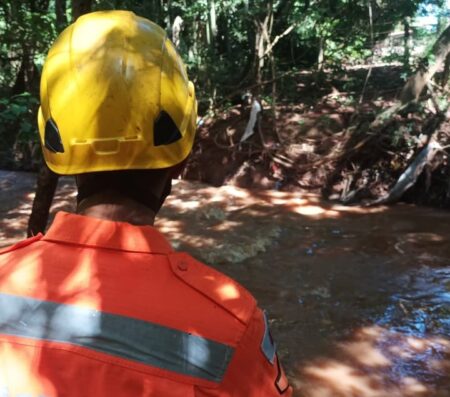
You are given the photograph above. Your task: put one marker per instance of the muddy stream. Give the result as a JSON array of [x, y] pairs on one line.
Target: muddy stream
[[359, 299]]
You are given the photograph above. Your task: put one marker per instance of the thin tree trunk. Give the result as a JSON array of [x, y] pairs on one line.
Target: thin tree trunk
[[208, 36], [416, 83], [259, 51], [27, 77], [61, 16], [168, 18], [80, 7], [39, 5], [321, 55], [156, 11], [269, 47], [372, 47], [446, 73], [212, 25], [406, 43], [177, 27]]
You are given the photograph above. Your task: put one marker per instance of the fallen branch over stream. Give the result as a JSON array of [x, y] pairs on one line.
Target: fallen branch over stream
[[410, 175]]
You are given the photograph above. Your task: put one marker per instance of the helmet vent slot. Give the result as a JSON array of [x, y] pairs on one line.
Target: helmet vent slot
[[52, 138], [165, 131]]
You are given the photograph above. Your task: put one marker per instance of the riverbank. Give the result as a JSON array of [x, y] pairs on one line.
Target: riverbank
[[347, 143]]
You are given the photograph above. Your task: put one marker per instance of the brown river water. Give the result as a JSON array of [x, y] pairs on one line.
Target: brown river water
[[359, 299]]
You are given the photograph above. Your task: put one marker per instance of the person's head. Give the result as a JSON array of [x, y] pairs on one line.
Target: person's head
[[117, 108]]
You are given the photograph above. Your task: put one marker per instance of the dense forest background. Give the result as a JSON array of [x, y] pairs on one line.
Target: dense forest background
[[345, 97]]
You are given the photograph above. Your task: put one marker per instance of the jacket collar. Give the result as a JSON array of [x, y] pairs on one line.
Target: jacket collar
[[93, 232]]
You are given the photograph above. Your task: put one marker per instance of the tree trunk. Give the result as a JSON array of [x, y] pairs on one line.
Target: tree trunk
[[80, 7], [262, 41], [39, 5], [446, 73], [406, 43], [28, 76], [177, 27], [168, 9], [260, 61], [212, 23], [416, 83], [321, 55], [156, 13], [61, 16]]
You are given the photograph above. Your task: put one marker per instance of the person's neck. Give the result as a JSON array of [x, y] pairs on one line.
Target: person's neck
[[117, 209]]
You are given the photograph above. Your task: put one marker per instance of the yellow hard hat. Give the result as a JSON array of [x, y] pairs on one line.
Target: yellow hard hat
[[115, 96]]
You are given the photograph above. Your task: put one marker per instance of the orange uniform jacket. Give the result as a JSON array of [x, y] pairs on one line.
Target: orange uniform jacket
[[106, 309]]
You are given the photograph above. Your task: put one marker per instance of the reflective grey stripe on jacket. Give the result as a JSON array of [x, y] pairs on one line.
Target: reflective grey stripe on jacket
[[267, 345], [120, 336]]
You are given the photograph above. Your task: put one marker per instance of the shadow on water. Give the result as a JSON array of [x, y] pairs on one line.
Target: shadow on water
[[359, 300]]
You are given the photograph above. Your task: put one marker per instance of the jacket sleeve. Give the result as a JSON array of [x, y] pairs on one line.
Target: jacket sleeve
[[254, 370]]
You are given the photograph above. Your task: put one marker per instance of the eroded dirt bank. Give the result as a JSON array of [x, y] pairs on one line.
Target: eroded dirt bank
[[324, 140], [359, 299]]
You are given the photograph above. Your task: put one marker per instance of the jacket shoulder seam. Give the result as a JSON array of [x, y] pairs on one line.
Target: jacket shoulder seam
[[192, 272]]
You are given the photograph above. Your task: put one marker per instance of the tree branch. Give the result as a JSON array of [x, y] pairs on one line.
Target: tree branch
[[278, 38]]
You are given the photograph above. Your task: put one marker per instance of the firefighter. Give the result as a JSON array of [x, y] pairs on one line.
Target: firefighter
[[101, 305]]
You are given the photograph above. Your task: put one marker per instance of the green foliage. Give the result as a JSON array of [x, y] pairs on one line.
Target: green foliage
[[19, 110], [25, 30], [443, 102], [219, 43], [18, 122]]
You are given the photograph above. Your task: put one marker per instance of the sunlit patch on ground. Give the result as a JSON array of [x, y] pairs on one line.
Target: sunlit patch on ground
[[16, 200], [16, 197]]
